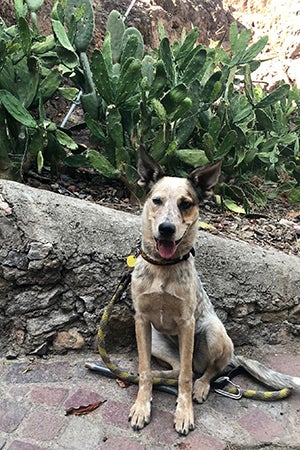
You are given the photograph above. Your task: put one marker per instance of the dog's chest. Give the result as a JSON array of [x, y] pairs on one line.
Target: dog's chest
[[163, 297]]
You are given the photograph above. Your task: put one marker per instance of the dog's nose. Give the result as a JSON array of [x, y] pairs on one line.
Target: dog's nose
[[166, 230]]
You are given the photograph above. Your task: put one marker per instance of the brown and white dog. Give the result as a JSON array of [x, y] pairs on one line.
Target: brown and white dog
[[174, 318]]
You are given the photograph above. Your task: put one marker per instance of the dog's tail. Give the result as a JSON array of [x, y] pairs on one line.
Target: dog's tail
[[269, 377]]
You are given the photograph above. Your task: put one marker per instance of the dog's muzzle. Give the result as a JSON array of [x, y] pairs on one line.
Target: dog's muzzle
[[166, 244]]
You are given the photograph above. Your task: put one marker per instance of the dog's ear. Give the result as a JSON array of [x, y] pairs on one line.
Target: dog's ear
[[204, 178], [148, 169]]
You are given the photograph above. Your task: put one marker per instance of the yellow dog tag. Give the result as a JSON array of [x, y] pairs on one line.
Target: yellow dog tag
[[131, 260]]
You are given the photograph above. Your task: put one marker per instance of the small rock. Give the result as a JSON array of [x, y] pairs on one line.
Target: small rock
[[68, 340], [39, 250]]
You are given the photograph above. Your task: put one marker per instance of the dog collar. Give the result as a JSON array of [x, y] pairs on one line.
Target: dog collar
[[167, 262]]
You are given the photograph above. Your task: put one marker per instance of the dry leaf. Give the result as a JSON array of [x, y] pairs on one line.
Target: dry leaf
[[84, 409], [206, 226], [123, 384]]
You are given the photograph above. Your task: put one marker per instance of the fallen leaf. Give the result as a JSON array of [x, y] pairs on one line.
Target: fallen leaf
[[207, 226], [84, 409], [123, 384]]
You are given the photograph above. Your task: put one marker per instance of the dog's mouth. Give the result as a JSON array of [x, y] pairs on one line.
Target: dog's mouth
[[166, 248]]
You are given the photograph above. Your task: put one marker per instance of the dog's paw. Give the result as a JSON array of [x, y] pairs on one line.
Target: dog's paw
[[184, 418], [201, 391], [140, 415]]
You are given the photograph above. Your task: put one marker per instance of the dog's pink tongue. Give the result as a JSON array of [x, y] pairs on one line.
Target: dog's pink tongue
[[166, 249]]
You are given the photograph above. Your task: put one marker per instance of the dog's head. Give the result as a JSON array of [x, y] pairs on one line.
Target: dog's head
[[171, 209]]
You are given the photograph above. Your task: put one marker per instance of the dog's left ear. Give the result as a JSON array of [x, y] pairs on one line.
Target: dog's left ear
[[148, 169], [204, 178]]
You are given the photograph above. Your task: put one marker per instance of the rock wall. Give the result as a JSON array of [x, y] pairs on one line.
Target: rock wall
[[61, 259]]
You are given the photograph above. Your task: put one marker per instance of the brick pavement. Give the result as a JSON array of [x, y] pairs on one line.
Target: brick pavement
[[35, 393]]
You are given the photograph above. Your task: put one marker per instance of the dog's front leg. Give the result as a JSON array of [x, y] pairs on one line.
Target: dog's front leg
[[184, 414], [140, 413]]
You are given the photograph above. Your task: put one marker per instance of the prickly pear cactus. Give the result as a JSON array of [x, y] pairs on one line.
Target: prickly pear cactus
[[85, 26], [133, 44], [115, 26]]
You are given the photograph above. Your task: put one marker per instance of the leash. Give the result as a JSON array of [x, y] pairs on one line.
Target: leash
[[222, 385]]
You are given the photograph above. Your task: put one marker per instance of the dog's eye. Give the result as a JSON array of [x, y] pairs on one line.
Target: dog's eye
[[157, 201], [185, 205]]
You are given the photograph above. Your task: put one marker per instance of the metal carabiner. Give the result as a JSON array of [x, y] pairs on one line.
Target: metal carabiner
[[235, 396]]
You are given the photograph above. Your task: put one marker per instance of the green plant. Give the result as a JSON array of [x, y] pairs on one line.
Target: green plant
[[31, 71], [117, 75], [190, 104]]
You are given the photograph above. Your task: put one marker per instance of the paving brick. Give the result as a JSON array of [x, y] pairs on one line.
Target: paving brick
[[119, 443], [21, 445], [261, 426], [216, 425], [18, 391], [11, 415], [161, 427], [44, 426], [82, 433], [50, 396], [38, 372], [286, 363], [116, 414], [200, 441], [2, 443]]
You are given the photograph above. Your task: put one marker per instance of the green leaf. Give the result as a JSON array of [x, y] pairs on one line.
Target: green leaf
[[188, 44], [50, 84], [25, 35], [194, 66], [254, 50], [102, 165], [20, 8], [159, 110], [194, 157], [66, 140], [256, 194], [294, 196], [34, 5], [209, 146], [214, 127], [68, 93], [107, 53], [76, 161], [16, 109], [232, 206], [95, 127], [160, 80], [212, 88], [128, 80], [227, 144], [167, 57], [114, 126], [83, 13], [274, 96], [61, 35], [101, 77], [174, 97]]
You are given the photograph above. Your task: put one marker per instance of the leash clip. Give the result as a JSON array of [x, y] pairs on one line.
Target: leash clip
[[234, 395]]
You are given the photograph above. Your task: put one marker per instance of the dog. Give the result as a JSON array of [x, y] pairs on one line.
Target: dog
[[174, 318]]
